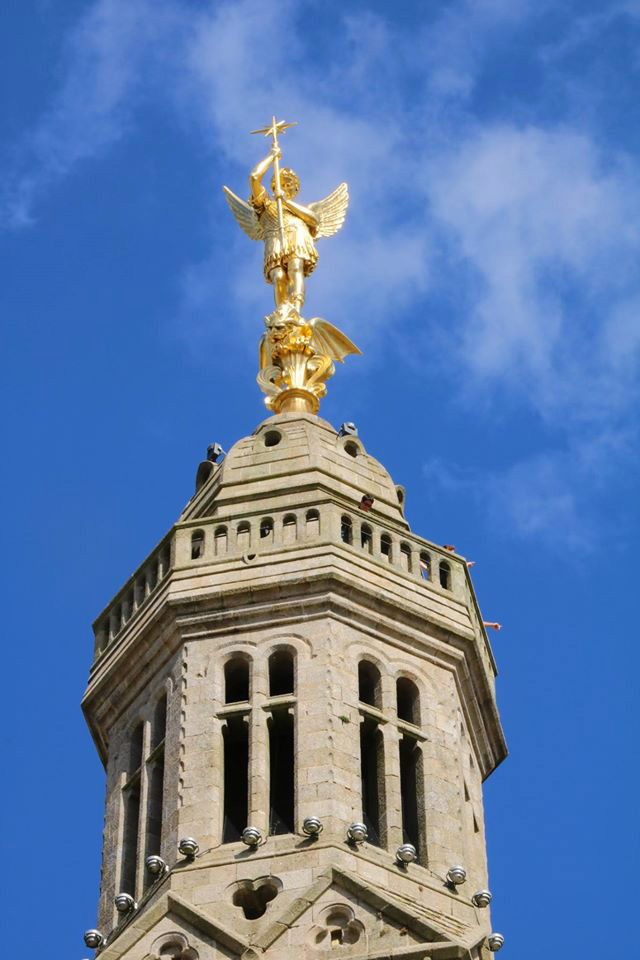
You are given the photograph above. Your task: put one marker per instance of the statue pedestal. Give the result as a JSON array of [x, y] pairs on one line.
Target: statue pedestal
[[296, 400]]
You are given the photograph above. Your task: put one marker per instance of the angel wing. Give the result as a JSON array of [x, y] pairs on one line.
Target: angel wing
[[245, 215], [328, 340], [331, 211]]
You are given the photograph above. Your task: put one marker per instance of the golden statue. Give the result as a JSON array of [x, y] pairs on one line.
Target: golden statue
[[296, 355]]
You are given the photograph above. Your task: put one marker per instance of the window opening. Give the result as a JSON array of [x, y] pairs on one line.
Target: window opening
[[289, 528], [130, 838], [197, 544], [244, 536], [408, 700], [266, 529], [425, 566], [281, 782], [220, 541], [236, 680], [155, 804], [158, 726], [369, 684], [135, 749], [405, 556], [372, 780], [236, 778], [351, 448], [366, 537], [255, 897], [280, 673], [445, 574], [313, 523], [346, 530], [272, 438], [412, 795], [385, 546]]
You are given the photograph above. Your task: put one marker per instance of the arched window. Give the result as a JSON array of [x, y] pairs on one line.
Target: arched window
[[373, 781], [220, 541], [281, 673], [266, 529], [346, 529], [197, 544], [385, 546], [408, 700], [236, 680], [412, 796], [312, 521], [369, 684], [135, 749], [155, 779], [281, 772], [425, 565], [235, 742], [444, 571], [244, 536], [405, 556], [366, 537], [289, 528]]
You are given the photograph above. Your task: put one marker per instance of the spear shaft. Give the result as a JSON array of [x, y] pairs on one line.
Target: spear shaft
[[276, 176]]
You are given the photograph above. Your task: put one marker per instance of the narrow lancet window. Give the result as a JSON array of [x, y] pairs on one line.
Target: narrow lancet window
[[289, 525], [408, 701], [425, 565], [405, 556], [236, 680], [445, 574], [131, 798], [385, 546], [281, 770], [412, 796], [369, 684], [366, 537], [312, 521], [346, 530], [281, 678], [220, 541], [236, 778], [372, 779], [197, 544]]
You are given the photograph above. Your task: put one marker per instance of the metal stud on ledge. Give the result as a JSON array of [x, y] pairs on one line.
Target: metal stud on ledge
[[357, 833], [482, 898], [456, 875], [124, 903], [93, 939], [252, 837], [156, 865], [495, 942], [406, 853], [188, 847], [312, 826]]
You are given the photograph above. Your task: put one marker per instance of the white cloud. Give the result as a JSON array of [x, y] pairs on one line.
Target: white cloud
[[532, 230]]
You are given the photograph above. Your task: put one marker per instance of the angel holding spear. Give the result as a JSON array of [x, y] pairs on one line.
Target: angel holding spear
[[288, 229]]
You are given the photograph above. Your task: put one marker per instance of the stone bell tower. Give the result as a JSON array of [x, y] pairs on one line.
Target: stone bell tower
[[293, 695], [294, 700]]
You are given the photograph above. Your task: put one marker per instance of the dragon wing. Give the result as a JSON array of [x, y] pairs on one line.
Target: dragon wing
[[328, 340], [245, 215], [331, 211]]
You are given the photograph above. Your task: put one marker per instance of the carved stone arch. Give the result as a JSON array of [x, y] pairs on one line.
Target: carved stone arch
[[172, 946]]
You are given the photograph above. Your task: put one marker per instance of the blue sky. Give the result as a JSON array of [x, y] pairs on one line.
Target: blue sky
[[488, 269]]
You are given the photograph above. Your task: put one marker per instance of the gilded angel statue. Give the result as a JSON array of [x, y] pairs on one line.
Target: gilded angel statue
[[287, 229], [296, 355]]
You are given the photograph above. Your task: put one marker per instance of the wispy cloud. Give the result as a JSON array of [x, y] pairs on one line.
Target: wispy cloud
[[527, 229]]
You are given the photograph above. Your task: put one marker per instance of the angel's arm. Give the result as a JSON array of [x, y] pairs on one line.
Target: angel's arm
[[305, 213], [258, 192]]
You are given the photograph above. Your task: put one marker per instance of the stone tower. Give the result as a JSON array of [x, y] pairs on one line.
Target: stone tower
[[293, 659]]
